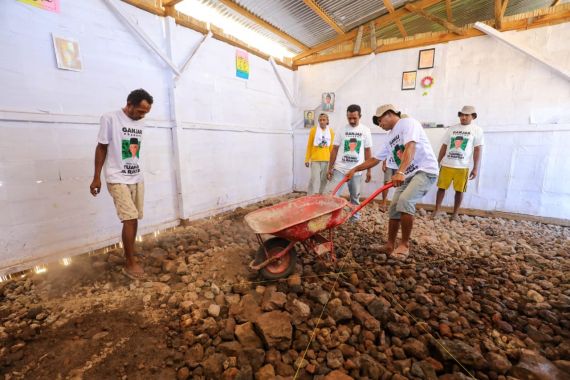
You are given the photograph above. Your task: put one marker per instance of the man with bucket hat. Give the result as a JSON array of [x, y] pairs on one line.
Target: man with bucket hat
[[465, 141], [409, 152]]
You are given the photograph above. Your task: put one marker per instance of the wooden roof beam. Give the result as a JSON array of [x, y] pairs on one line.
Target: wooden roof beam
[[500, 8], [323, 15], [390, 7], [171, 3], [247, 14], [446, 24], [380, 21], [448, 10]]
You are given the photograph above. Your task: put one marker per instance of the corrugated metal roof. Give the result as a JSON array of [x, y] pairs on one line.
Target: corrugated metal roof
[[293, 17], [296, 19]]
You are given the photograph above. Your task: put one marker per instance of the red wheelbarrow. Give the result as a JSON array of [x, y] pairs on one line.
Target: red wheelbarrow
[[302, 220]]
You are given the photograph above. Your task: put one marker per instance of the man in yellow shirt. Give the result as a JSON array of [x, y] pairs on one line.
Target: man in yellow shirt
[[319, 147]]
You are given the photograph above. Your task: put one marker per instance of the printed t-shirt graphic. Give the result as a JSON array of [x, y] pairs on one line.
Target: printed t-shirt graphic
[[461, 140], [124, 138], [404, 131], [351, 142]]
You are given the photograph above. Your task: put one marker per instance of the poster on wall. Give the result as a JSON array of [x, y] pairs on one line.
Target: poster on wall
[[426, 59], [67, 53], [409, 80], [242, 64], [328, 101], [47, 5], [309, 117]]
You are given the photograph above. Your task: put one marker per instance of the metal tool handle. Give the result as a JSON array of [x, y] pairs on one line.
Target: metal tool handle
[[344, 180]]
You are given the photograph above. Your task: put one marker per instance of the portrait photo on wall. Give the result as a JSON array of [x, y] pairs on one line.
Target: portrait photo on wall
[[67, 53], [409, 80], [309, 119], [328, 101], [426, 59]]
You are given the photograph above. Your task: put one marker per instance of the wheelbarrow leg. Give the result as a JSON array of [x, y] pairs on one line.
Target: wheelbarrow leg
[[332, 254]]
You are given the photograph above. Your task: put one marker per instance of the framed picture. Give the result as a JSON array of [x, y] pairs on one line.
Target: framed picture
[[409, 80], [426, 59], [67, 53], [309, 117], [328, 101]]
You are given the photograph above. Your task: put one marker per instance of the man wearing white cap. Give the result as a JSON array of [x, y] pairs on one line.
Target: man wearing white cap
[[465, 143], [409, 152]]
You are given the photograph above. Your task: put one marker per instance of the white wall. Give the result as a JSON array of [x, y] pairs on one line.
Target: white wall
[[233, 152], [522, 106]]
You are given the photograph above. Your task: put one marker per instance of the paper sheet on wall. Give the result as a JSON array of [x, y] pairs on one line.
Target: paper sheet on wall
[[48, 5], [242, 64]]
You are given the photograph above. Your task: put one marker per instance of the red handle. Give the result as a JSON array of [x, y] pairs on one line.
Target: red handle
[[371, 197], [344, 179]]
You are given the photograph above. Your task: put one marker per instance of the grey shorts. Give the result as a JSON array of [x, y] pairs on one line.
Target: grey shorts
[[412, 190], [388, 174]]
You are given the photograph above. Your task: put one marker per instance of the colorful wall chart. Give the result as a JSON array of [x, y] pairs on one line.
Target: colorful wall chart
[[48, 5], [242, 64]]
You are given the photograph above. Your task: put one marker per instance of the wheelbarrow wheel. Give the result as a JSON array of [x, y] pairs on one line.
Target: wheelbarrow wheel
[[280, 268]]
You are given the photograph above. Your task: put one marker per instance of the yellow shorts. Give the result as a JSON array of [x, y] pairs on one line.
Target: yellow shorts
[[459, 176], [128, 200]]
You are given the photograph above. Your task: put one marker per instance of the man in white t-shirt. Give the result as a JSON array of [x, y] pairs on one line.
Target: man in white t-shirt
[[118, 147], [465, 142], [409, 152], [351, 146]]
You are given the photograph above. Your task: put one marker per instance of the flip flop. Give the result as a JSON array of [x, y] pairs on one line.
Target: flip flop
[[402, 255], [131, 275]]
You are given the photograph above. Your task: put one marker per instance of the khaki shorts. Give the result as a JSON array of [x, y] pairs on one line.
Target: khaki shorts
[[128, 200]]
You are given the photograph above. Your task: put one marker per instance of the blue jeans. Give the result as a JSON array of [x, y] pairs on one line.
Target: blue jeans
[[409, 193], [353, 187]]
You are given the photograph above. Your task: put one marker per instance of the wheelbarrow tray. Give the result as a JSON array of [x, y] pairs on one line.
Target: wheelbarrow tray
[[299, 218]]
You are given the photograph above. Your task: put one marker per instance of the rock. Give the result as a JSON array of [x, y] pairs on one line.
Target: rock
[[319, 295], [338, 312], [275, 329], [247, 337], [563, 365], [498, 362], [533, 366], [248, 309], [415, 348], [379, 308], [463, 352], [370, 367], [194, 356], [335, 359], [169, 266], [535, 296], [400, 330], [294, 283], [230, 349], [100, 335], [183, 373], [298, 309], [267, 372], [213, 366], [273, 301], [363, 298], [214, 310], [337, 375], [365, 319], [445, 330]]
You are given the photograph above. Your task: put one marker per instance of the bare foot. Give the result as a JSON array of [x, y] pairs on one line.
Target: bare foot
[[401, 253], [437, 215], [383, 207], [387, 248]]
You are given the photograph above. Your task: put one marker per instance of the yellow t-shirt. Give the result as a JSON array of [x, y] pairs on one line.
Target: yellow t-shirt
[[315, 153]]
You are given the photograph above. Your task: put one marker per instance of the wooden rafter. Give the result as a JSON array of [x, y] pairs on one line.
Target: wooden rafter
[[323, 15], [372, 36], [390, 7], [244, 12], [542, 17], [500, 8], [448, 10], [358, 41], [446, 24], [171, 3], [554, 3], [380, 21]]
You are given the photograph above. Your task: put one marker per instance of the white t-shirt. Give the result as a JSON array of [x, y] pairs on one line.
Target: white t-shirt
[[351, 143], [461, 140], [404, 131], [124, 137]]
